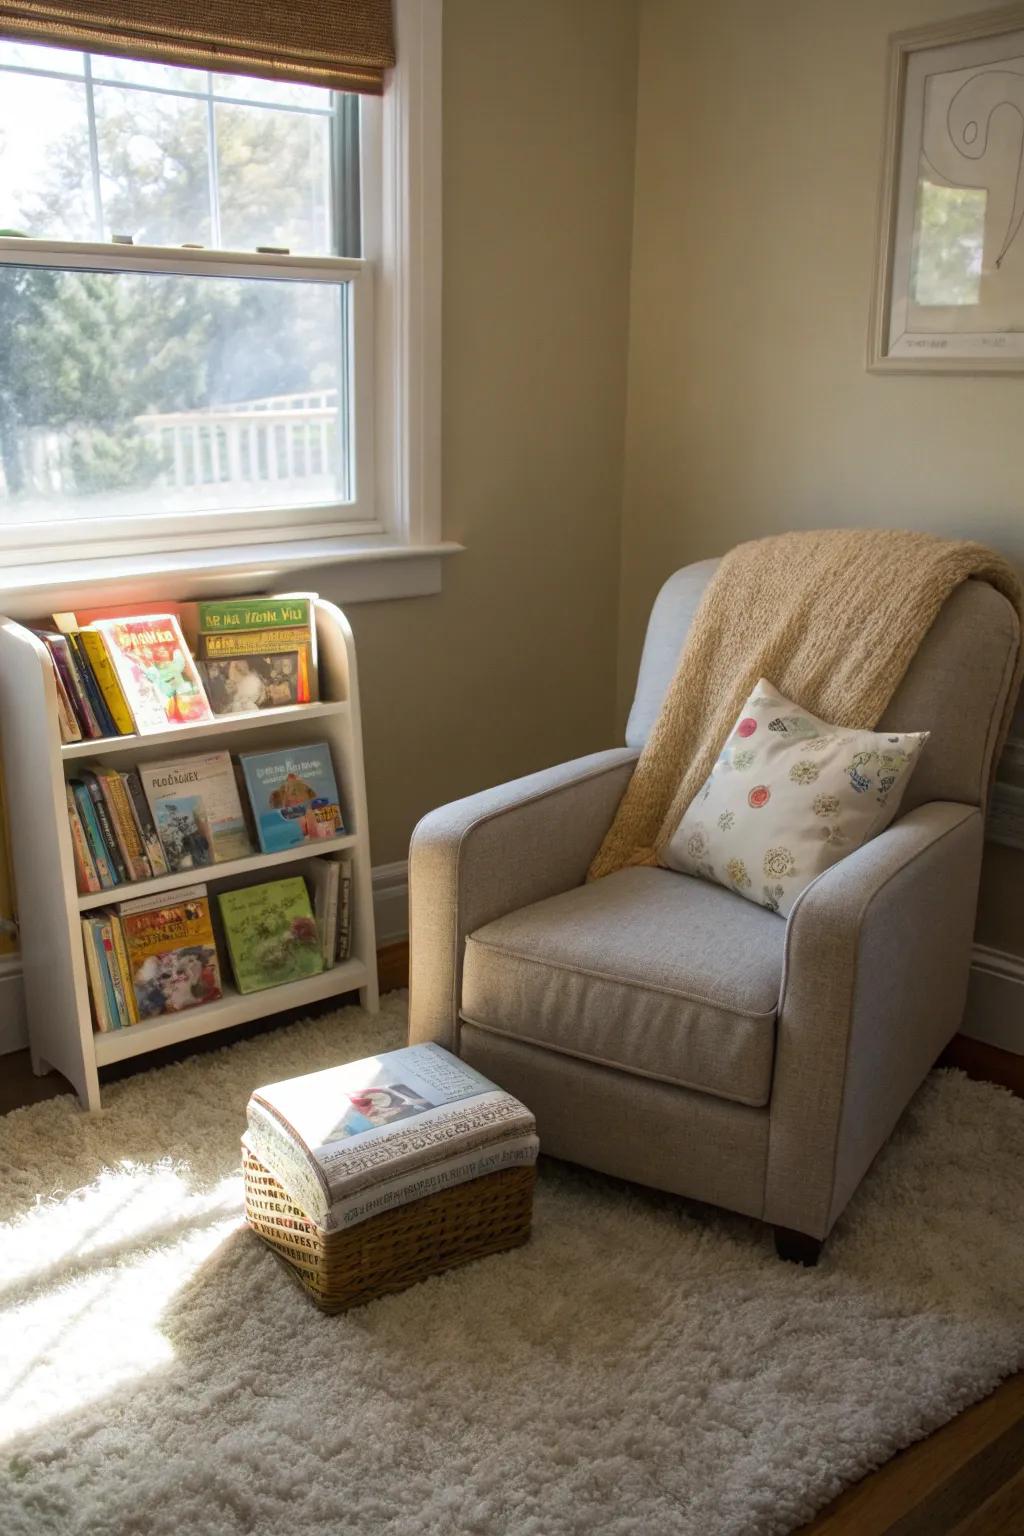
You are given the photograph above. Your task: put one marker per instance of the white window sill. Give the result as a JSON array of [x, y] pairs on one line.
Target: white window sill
[[357, 570]]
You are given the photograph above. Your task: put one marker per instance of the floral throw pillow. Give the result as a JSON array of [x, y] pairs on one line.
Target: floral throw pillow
[[789, 797]]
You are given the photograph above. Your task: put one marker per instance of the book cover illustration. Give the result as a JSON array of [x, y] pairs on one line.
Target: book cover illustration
[[155, 670], [196, 809], [172, 957], [294, 796], [239, 683], [272, 934], [258, 653]]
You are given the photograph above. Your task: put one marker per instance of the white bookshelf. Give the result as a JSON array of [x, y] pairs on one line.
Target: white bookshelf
[[36, 763]]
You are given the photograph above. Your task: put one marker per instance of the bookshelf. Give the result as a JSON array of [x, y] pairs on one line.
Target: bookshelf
[[36, 763]]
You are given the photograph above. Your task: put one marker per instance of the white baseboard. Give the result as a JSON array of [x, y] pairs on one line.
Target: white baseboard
[[391, 920], [391, 902], [995, 1000]]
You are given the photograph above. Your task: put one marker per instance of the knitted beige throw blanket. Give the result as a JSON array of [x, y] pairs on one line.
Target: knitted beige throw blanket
[[832, 620]]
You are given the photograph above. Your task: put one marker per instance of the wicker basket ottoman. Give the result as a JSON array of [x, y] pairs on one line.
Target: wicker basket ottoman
[[396, 1249]]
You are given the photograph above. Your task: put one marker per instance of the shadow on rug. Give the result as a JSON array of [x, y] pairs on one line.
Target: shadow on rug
[[642, 1366]]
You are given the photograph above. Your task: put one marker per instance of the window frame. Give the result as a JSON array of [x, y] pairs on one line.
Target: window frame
[[394, 546], [134, 530]]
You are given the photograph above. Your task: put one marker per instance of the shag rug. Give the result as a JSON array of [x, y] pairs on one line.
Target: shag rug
[[644, 1365]]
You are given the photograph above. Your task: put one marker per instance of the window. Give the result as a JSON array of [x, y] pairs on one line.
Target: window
[[186, 324]]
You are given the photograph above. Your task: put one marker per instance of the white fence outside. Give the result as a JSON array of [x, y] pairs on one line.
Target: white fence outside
[[279, 439]]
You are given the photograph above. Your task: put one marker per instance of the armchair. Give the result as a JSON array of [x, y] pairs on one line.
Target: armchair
[[668, 1031]]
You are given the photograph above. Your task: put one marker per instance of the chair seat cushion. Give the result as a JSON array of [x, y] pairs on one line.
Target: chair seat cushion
[[649, 971]]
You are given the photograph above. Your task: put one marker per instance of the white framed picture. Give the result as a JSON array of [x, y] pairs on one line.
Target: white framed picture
[[949, 292]]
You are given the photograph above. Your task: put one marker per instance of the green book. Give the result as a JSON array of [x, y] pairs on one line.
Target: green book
[[236, 614], [272, 934]]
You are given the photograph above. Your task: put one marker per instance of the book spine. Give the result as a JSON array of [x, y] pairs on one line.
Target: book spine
[[512, 1152], [97, 990], [121, 960], [143, 817], [91, 686], [125, 830], [86, 878], [107, 680], [119, 1008], [331, 921], [63, 660], [344, 949], [83, 800], [106, 826], [70, 730]]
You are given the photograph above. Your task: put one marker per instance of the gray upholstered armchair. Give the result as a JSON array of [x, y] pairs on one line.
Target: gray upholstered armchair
[[666, 1030]]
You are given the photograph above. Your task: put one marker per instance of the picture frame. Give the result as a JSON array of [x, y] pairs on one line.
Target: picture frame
[[948, 295]]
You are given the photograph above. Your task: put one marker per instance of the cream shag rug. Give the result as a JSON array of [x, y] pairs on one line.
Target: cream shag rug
[[643, 1366]]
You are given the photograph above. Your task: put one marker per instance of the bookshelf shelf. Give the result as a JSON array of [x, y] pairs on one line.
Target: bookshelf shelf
[[36, 763], [182, 736], [233, 1008], [211, 873]]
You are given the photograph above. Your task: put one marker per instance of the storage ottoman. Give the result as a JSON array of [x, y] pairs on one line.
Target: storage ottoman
[[370, 1177]]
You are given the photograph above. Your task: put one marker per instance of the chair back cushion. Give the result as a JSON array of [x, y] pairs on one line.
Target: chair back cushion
[[955, 688]]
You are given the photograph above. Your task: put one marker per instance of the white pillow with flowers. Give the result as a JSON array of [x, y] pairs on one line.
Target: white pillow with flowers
[[789, 797]]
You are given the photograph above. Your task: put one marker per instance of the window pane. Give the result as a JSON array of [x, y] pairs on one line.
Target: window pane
[[273, 173], [131, 393], [164, 77], [276, 93], [65, 61], [45, 180], [154, 167]]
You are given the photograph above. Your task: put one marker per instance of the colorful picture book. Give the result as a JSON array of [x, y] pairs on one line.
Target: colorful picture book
[[294, 796], [196, 810], [155, 670], [271, 933], [186, 813], [258, 653], [127, 670], [170, 952]]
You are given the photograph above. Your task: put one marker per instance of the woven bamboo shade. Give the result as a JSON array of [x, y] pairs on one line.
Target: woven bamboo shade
[[344, 45]]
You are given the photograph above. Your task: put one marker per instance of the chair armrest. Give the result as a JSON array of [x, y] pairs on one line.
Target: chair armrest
[[875, 979], [478, 858]]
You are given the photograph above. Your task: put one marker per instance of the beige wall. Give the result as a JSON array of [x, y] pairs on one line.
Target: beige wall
[[512, 667], [758, 150]]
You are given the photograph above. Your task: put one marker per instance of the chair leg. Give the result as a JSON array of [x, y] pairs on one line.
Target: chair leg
[[797, 1247]]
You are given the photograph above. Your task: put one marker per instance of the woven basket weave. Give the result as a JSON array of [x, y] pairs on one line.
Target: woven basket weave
[[394, 1250]]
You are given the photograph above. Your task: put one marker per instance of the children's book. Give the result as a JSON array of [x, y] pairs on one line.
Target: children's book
[[119, 809], [143, 818], [171, 952], [97, 847], [92, 648], [101, 989], [344, 937], [115, 858], [156, 673], [322, 877], [272, 934], [196, 810], [258, 652], [294, 796], [65, 665], [86, 879]]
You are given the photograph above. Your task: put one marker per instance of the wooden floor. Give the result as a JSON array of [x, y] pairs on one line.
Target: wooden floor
[[967, 1479]]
